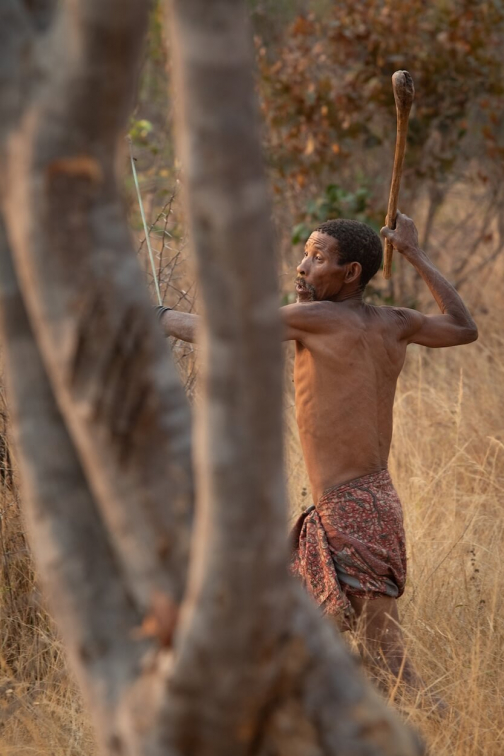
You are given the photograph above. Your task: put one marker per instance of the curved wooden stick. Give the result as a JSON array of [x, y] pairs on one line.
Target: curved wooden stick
[[404, 93]]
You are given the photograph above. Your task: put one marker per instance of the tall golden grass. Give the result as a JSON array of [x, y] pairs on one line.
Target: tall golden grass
[[448, 465], [447, 462], [40, 709]]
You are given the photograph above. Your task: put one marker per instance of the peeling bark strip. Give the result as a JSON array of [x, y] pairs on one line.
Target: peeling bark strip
[[289, 686], [116, 387], [79, 166]]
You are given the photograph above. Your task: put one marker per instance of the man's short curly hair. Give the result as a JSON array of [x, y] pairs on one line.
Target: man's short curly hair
[[356, 243]]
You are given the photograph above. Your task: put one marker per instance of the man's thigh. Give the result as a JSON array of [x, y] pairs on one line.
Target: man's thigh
[[377, 619]]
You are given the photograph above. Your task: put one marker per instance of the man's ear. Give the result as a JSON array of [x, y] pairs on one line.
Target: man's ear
[[353, 272]]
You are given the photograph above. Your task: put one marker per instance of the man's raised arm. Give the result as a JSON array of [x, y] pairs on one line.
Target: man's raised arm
[[181, 325], [455, 326], [297, 319]]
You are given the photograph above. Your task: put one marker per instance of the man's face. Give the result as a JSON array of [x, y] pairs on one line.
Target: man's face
[[320, 276]]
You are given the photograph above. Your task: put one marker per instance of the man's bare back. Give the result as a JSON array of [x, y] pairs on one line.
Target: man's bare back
[[349, 355], [345, 380]]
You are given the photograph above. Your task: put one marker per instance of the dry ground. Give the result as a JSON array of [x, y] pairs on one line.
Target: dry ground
[[448, 465]]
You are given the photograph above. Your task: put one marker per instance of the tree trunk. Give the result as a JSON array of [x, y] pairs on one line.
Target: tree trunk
[[90, 599], [116, 387], [286, 672], [102, 423]]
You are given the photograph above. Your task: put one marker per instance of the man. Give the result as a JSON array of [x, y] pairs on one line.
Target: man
[[349, 547]]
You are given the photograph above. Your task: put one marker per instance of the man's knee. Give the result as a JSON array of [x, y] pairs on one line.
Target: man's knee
[[377, 618]]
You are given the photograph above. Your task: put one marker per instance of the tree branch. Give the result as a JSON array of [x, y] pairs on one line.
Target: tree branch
[[86, 590], [115, 384]]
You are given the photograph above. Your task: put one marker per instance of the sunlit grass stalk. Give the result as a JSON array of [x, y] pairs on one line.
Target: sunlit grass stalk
[[146, 230]]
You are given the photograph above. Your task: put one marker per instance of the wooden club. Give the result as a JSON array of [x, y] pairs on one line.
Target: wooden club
[[404, 93]]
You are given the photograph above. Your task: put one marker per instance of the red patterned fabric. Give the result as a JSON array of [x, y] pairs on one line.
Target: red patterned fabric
[[355, 531]]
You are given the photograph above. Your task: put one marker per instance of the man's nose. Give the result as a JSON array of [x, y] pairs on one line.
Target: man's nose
[[301, 268]]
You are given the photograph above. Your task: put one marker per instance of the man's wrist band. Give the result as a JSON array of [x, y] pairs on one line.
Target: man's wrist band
[[161, 309]]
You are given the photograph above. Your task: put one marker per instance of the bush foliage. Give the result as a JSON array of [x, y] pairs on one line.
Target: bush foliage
[[326, 89]]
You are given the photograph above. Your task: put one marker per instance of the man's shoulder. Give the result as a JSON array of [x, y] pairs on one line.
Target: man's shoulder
[[320, 310], [335, 317], [397, 322], [391, 314]]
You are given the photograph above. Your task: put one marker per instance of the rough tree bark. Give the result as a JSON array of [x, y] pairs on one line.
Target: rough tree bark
[[116, 388], [108, 504], [286, 674], [92, 603], [102, 423]]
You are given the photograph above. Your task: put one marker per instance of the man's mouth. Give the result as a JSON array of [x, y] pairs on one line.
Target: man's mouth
[[304, 289]]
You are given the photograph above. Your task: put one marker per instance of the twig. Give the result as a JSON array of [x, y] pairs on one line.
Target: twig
[[478, 267], [163, 212]]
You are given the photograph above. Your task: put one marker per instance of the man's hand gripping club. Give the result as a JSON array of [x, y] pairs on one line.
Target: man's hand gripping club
[[455, 326]]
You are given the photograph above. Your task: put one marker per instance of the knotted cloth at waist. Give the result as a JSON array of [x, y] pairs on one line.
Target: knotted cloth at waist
[[352, 543]]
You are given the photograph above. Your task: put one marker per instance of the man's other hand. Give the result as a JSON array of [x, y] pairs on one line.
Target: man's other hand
[[404, 237]]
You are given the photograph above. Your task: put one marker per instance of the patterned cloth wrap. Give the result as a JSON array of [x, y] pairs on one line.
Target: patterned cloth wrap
[[351, 543]]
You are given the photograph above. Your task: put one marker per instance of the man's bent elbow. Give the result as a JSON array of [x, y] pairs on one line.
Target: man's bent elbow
[[469, 334]]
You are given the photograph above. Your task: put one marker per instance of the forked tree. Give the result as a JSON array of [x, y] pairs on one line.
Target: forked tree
[[238, 661]]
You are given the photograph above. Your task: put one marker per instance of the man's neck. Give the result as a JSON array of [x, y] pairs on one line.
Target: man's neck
[[353, 296]]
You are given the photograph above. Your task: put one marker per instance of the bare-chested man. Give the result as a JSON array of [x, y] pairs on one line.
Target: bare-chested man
[[349, 547]]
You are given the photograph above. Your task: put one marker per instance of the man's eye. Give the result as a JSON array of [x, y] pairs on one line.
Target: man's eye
[[318, 258]]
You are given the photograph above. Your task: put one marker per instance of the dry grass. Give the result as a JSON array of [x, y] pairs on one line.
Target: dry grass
[[40, 709], [448, 465]]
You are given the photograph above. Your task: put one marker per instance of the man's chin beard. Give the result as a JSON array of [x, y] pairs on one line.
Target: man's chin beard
[[307, 294]]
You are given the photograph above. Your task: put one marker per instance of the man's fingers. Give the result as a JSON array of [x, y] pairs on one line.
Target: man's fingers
[[387, 232], [401, 217]]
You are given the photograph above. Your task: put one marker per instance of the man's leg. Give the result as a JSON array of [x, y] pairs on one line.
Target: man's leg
[[381, 640], [381, 646]]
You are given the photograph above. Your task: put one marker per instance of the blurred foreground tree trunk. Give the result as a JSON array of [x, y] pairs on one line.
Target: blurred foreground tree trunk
[[239, 662]]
